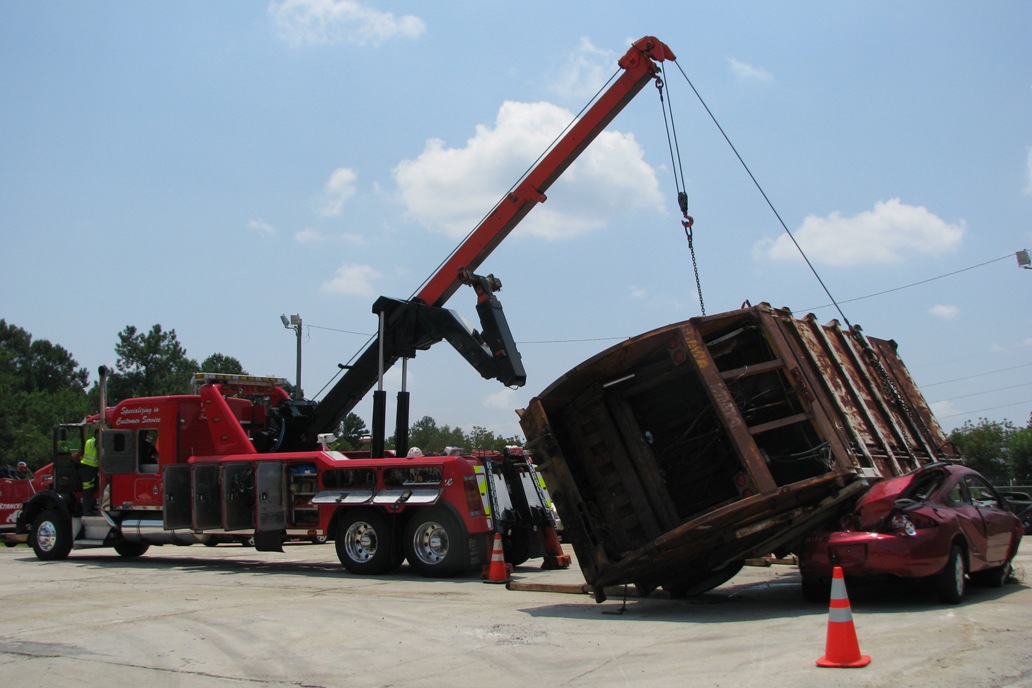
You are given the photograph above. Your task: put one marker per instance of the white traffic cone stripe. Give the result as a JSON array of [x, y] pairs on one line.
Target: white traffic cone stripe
[[838, 588], [840, 615]]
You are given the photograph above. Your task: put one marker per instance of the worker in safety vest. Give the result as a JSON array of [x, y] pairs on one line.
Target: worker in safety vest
[[88, 473]]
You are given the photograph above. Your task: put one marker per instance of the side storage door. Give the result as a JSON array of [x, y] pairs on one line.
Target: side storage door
[[271, 498], [178, 501], [238, 511], [207, 496]]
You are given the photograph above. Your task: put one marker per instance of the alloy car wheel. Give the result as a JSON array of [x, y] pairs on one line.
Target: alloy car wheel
[[950, 582]]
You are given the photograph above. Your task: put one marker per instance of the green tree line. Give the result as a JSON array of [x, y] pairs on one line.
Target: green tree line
[[42, 385], [997, 449]]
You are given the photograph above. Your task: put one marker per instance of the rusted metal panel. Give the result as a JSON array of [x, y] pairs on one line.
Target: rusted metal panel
[[682, 452]]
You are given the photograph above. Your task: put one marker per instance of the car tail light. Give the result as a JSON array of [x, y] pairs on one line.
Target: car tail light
[[908, 524], [903, 525]]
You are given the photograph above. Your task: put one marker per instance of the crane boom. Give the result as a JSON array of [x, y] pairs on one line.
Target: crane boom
[[639, 65], [407, 326]]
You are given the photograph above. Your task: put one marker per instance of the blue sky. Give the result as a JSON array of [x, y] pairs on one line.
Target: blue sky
[[209, 166]]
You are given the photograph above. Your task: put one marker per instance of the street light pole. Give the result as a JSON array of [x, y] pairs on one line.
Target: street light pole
[[294, 323]]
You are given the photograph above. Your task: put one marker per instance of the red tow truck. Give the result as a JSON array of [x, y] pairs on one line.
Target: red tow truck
[[184, 469], [239, 458], [17, 485]]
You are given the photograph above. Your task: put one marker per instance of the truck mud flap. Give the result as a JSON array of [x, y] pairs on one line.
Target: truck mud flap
[[269, 541]]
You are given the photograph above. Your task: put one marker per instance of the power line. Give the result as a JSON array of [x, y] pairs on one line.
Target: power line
[[809, 308], [334, 329], [991, 408], [969, 377], [907, 286], [975, 394], [575, 341]]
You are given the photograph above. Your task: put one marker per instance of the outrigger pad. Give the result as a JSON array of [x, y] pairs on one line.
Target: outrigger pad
[[269, 541]]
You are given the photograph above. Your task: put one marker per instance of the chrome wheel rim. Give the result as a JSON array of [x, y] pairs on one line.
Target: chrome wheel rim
[[430, 543], [360, 541], [46, 536]]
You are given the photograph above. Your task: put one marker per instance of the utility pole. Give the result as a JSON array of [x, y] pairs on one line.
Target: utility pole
[[294, 323]]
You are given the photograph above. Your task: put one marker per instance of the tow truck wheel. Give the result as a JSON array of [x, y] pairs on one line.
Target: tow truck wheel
[[517, 546], [131, 549], [51, 535], [365, 543], [434, 542]]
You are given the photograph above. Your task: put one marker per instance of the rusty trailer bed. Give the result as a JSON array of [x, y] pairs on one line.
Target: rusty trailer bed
[[678, 454]]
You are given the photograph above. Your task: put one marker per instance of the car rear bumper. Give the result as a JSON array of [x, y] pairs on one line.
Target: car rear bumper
[[873, 554]]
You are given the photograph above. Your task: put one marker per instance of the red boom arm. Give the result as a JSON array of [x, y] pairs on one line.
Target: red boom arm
[[411, 325], [639, 65]]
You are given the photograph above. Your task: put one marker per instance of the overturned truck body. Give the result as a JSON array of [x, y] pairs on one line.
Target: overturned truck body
[[675, 456]]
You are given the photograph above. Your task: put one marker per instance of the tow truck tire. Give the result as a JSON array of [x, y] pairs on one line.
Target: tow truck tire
[[131, 549], [365, 543], [434, 542], [517, 546], [51, 536]]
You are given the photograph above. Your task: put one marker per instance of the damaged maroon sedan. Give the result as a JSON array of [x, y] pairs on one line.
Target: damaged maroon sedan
[[943, 522]]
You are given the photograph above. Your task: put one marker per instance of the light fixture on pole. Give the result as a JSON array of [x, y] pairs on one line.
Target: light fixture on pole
[[1024, 259], [294, 323]]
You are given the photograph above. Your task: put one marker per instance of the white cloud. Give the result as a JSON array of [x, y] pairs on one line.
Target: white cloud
[[1000, 348], [309, 236], [885, 235], [317, 22], [451, 189], [588, 69], [944, 311], [638, 293], [314, 236], [502, 400], [747, 72], [352, 238], [944, 409], [339, 189], [352, 280], [262, 227]]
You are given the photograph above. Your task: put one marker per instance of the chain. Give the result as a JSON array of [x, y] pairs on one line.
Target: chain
[[687, 224], [682, 195]]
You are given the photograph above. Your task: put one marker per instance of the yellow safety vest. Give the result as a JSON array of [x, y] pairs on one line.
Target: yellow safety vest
[[89, 453]]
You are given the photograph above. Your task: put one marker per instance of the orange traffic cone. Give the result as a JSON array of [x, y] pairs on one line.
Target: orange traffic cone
[[842, 648], [498, 571]]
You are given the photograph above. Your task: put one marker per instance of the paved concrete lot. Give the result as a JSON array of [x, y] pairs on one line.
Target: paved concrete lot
[[232, 617]]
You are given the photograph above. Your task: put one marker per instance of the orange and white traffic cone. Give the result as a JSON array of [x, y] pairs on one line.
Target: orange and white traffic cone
[[842, 648], [498, 571]]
